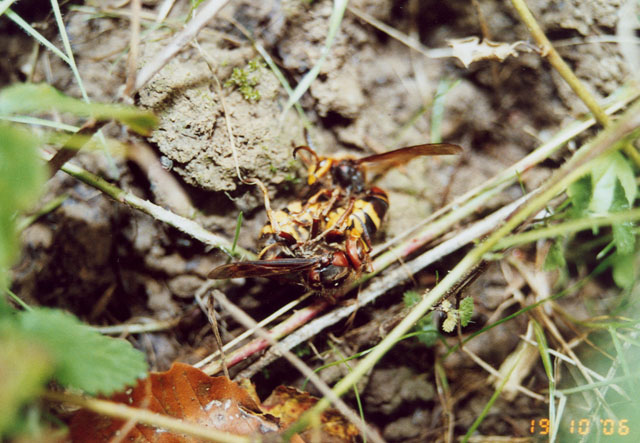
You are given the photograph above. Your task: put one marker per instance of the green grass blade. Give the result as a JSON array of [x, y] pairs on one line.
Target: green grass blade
[[67, 47], [599, 384], [339, 7], [36, 35], [31, 98], [28, 120], [437, 109], [543, 348], [237, 233], [569, 227], [4, 5]]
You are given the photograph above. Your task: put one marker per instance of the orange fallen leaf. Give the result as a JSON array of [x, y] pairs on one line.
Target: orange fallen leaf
[[187, 393], [182, 392]]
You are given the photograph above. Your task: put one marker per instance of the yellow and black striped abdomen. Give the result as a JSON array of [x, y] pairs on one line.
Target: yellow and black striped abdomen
[[367, 215], [365, 218]]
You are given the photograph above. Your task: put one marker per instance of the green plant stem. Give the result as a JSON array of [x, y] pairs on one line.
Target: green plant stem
[[35, 34], [18, 300], [598, 384], [50, 206], [568, 227], [339, 6], [67, 47], [565, 71], [182, 224], [543, 349], [575, 168], [29, 120], [4, 4]]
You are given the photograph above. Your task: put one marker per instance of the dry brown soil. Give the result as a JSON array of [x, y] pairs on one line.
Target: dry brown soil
[[110, 264]]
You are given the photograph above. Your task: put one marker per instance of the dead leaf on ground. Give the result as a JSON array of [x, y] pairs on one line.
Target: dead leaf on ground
[[187, 393], [288, 404], [471, 49], [182, 392]]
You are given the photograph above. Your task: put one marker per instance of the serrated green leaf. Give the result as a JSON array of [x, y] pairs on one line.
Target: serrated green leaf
[[411, 298], [604, 175], [580, 194], [428, 331], [84, 358], [624, 271], [623, 236], [555, 257], [22, 176], [466, 310], [31, 98], [25, 367]]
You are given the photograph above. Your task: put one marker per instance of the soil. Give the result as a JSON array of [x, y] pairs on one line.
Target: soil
[[110, 264]]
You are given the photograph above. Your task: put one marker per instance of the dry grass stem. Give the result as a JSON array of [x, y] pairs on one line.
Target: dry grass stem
[[206, 11], [249, 323]]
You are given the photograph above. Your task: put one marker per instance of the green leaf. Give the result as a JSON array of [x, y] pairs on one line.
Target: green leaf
[[555, 257], [84, 358], [466, 310], [30, 98], [604, 176], [428, 331], [580, 194], [22, 176], [411, 298], [25, 367], [624, 272], [623, 236]]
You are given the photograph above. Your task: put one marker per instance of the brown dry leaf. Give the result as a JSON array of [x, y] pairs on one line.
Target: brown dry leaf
[[182, 392], [470, 49], [288, 404]]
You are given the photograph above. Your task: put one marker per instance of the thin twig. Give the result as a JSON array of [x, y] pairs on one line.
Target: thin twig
[[134, 47], [206, 12], [213, 368], [305, 370], [293, 322], [491, 370], [403, 38], [207, 305], [67, 152], [185, 225], [565, 71], [138, 328]]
